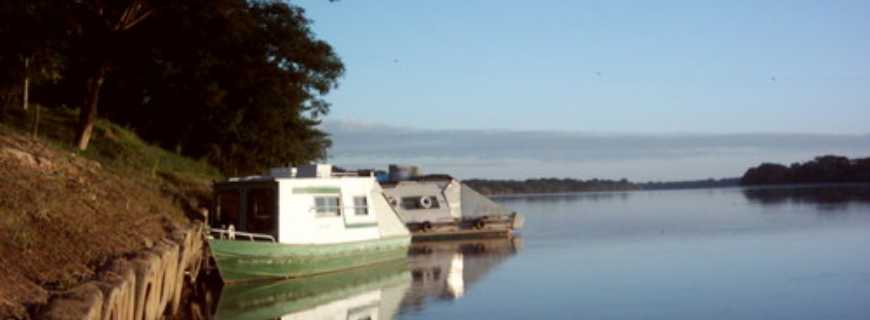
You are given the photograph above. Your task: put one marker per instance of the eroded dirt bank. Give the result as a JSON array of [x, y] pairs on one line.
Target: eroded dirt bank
[[69, 224]]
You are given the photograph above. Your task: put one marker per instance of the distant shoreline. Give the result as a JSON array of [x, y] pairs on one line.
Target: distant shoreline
[[721, 186], [822, 170], [738, 186], [566, 185]]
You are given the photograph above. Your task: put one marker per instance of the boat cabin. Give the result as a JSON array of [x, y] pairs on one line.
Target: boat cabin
[[304, 205], [418, 201], [439, 198]]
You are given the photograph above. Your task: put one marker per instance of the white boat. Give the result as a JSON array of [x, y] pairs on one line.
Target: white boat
[[296, 222], [439, 206]]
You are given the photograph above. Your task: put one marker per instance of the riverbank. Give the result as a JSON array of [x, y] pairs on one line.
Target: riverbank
[[569, 185], [65, 216]]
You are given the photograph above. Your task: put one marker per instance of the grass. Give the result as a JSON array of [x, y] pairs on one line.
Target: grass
[[113, 146], [64, 213], [122, 152]]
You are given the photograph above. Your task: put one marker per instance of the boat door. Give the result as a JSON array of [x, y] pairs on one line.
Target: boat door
[[262, 210], [249, 206]]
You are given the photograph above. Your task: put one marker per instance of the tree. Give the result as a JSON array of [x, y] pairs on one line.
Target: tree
[[766, 173], [822, 169], [30, 54], [98, 25], [238, 83]]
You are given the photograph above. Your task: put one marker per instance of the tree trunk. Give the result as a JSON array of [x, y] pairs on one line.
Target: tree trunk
[[26, 94], [88, 112]]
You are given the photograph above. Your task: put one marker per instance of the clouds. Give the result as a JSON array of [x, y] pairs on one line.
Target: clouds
[[523, 154]]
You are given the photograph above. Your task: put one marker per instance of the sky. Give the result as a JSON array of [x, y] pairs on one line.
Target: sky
[[655, 73]]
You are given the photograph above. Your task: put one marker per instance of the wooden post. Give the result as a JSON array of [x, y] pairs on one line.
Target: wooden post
[[26, 94], [203, 211]]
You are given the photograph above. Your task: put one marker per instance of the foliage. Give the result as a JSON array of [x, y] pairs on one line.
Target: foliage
[[690, 184], [556, 185], [547, 185], [30, 47], [823, 169], [237, 83]]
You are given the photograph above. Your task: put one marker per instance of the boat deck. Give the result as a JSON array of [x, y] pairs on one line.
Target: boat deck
[[461, 234]]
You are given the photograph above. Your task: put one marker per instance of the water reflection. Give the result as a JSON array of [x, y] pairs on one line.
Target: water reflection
[[440, 270], [824, 198], [446, 270], [566, 197], [368, 293]]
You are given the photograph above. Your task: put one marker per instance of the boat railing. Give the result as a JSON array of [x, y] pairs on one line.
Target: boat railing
[[232, 234]]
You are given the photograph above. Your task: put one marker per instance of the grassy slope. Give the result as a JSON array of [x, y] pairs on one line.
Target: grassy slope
[[63, 214]]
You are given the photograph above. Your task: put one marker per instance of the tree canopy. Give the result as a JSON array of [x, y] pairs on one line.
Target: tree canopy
[[822, 169], [239, 83]]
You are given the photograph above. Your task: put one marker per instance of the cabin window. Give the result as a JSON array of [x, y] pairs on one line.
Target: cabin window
[[327, 206], [424, 202], [227, 212], [261, 210], [360, 206]]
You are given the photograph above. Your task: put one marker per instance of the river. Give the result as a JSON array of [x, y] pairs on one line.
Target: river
[[757, 253]]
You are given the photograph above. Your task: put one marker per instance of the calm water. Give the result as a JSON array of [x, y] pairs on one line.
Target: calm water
[[784, 253]]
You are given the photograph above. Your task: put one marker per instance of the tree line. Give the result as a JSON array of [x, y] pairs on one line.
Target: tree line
[[564, 185], [238, 83], [546, 185], [822, 169]]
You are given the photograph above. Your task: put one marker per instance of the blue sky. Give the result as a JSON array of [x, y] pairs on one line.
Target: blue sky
[[603, 67]]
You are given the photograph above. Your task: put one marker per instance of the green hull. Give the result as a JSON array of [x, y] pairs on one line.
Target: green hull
[[239, 260], [273, 300]]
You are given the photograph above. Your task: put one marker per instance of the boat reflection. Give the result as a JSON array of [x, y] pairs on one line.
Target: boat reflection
[[434, 270], [446, 270], [370, 293]]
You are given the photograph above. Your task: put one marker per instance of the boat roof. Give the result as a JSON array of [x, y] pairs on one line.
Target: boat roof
[[310, 173], [421, 179]]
